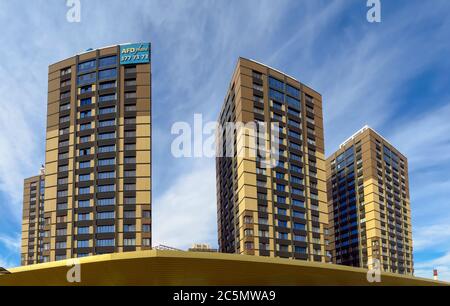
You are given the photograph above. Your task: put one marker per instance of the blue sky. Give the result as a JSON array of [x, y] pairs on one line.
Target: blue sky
[[393, 76]]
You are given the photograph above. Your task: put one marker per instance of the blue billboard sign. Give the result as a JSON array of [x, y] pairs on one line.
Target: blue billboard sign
[[135, 54]]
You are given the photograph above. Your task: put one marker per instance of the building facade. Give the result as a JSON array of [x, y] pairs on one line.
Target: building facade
[[263, 210], [369, 204], [33, 221], [98, 154]]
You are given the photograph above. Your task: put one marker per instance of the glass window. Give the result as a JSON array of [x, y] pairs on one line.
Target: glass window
[[106, 202], [105, 229], [106, 175], [87, 78], [108, 85], [293, 91], [104, 136], [293, 102], [84, 165], [83, 230], [86, 89], [107, 74], [105, 123], [107, 61], [106, 162], [87, 101], [107, 188], [84, 190], [274, 83], [84, 178], [107, 98], [106, 149], [105, 242], [86, 66], [106, 215], [85, 114], [107, 110], [83, 204], [82, 243], [276, 95]]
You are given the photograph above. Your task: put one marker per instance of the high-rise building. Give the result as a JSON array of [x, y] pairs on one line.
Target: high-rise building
[[98, 155], [33, 219], [369, 204], [264, 210]]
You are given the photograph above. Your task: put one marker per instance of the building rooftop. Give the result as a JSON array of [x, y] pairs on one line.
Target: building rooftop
[[149, 268], [361, 131]]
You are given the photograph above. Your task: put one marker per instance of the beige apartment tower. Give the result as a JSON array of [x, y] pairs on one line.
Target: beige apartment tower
[[263, 210], [97, 194], [369, 204]]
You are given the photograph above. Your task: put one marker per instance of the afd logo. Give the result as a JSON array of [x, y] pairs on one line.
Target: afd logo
[[135, 54]]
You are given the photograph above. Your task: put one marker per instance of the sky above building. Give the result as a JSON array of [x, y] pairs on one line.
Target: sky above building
[[393, 76]]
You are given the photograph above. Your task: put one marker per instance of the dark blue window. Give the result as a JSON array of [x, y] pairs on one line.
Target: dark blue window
[[107, 74], [87, 101], [86, 66], [292, 91], [274, 83], [108, 61], [276, 95], [293, 102], [86, 78]]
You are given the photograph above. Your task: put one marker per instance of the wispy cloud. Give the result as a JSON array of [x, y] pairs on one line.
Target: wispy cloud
[[12, 243], [186, 209], [442, 264]]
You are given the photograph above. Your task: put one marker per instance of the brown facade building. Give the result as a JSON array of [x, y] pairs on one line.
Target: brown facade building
[[33, 220], [369, 205], [98, 155], [272, 210]]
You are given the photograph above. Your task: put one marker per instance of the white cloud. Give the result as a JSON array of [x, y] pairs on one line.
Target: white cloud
[[432, 236], [442, 264], [186, 212], [11, 243]]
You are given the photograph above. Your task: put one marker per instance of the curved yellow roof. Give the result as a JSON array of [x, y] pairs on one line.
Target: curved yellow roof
[[150, 268]]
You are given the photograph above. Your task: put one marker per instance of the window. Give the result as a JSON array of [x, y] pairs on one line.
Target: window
[[130, 201], [85, 139], [130, 120], [130, 187], [62, 193], [130, 134], [61, 245], [130, 83], [87, 79], [146, 242], [299, 226], [64, 107], [86, 89], [60, 257], [83, 204], [63, 181], [282, 223], [129, 228], [63, 168], [276, 95], [106, 215], [84, 178], [84, 152], [64, 119], [86, 66], [61, 232], [282, 211], [293, 102], [129, 242], [300, 238], [105, 136], [105, 242], [85, 114], [106, 149], [107, 74], [107, 61], [146, 214], [107, 110], [106, 162], [292, 91], [106, 98], [130, 160], [106, 202], [300, 250], [84, 165], [85, 126], [84, 190], [87, 101], [84, 217], [146, 228], [130, 95], [103, 229], [107, 85], [130, 108], [62, 206], [276, 84], [299, 215], [283, 236], [66, 71], [130, 70], [106, 188], [106, 175], [105, 123], [130, 173], [83, 230], [129, 214]]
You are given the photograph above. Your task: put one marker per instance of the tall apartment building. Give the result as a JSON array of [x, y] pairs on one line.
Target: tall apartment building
[[98, 155], [33, 219], [369, 204], [266, 211]]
